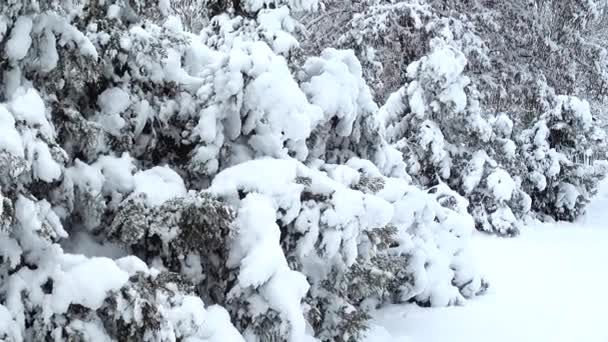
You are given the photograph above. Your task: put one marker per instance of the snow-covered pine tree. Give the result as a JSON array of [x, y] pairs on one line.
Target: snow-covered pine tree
[[560, 152], [436, 121]]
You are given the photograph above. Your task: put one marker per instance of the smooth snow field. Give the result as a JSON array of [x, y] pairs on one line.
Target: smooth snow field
[[548, 285]]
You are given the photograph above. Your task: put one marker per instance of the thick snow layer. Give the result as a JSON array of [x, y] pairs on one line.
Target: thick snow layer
[[113, 101], [334, 82], [193, 321], [86, 282], [10, 140], [117, 171], [501, 184], [474, 171], [27, 105], [44, 166], [159, 184], [274, 24], [263, 265], [549, 284], [20, 41], [85, 176]]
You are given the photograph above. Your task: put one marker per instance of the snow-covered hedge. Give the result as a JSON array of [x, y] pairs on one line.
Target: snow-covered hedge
[[355, 237], [162, 185], [158, 184]]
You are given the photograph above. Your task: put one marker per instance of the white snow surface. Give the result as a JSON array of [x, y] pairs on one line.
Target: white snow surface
[[17, 46], [549, 284], [85, 281], [113, 101], [159, 184], [118, 172]]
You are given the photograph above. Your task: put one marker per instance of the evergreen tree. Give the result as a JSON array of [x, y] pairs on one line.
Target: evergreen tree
[[437, 123], [560, 153]]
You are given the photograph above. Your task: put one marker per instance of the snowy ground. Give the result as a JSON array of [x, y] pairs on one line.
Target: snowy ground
[[548, 285]]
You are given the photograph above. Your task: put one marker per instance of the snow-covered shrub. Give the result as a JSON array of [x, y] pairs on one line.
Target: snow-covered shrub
[[359, 238], [74, 297], [559, 152], [436, 122], [491, 180]]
